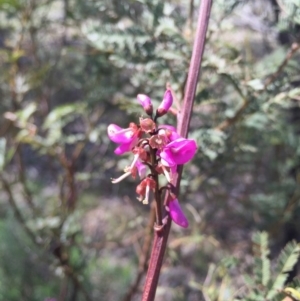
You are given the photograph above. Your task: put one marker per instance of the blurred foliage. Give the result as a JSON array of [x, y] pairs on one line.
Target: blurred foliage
[[263, 284], [71, 67]]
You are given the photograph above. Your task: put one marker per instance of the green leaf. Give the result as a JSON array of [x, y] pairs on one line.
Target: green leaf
[[25, 114], [170, 55], [210, 141], [60, 112], [10, 4], [257, 120], [286, 262], [256, 84], [166, 26], [262, 262]]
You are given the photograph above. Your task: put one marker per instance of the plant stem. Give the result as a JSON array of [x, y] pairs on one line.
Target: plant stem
[[194, 70], [184, 117], [157, 195]]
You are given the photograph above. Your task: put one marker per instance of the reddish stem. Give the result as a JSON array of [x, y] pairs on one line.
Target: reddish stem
[[161, 237]]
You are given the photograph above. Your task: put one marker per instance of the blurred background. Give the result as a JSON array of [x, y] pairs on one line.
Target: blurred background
[[71, 67]]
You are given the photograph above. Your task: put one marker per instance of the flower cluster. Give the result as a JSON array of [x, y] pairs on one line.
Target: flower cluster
[[157, 150]]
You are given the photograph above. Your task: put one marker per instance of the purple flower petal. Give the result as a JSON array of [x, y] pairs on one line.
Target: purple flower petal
[[177, 214], [119, 135], [167, 101], [179, 151], [144, 100], [167, 158], [165, 104], [146, 103], [123, 148], [168, 127], [174, 134], [142, 169]]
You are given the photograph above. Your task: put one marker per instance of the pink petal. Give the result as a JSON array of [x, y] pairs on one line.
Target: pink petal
[[167, 101], [123, 148], [167, 157], [126, 147], [119, 135], [168, 127], [142, 169], [144, 100], [180, 151], [177, 214], [174, 134]]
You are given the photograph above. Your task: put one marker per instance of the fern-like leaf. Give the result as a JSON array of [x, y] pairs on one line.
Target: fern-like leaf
[[286, 262], [262, 262]]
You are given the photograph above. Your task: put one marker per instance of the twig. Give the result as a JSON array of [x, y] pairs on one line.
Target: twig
[[69, 168], [143, 258], [161, 237], [17, 211], [292, 50], [230, 121], [37, 240], [22, 177], [68, 270], [190, 17], [63, 289]]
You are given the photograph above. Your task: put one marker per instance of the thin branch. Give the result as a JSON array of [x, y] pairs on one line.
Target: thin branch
[[292, 50], [230, 121], [144, 256], [161, 237], [190, 17], [17, 211], [22, 177], [63, 289], [68, 270], [62, 257], [69, 168]]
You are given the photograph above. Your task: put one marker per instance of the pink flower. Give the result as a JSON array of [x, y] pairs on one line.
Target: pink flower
[[136, 166], [142, 169], [165, 104], [127, 138], [143, 189], [177, 214], [178, 152], [169, 131], [146, 103]]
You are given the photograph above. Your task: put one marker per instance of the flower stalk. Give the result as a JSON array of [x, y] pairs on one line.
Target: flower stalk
[[162, 150], [161, 237], [157, 196]]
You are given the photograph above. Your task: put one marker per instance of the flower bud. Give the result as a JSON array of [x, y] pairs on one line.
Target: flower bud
[[165, 104], [146, 103]]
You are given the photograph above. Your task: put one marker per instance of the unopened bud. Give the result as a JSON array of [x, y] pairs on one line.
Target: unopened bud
[[165, 104], [146, 103]]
